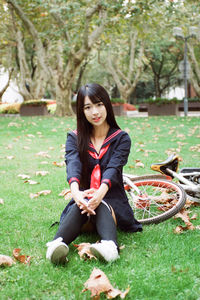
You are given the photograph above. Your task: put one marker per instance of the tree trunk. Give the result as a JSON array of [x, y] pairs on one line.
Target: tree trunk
[[63, 82], [195, 70], [2, 91], [126, 81], [81, 72], [63, 101], [157, 86], [31, 84], [124, 94], [195, 83]]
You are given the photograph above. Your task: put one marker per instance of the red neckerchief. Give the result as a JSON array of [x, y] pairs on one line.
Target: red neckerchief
[[96, 173], [95, 180]]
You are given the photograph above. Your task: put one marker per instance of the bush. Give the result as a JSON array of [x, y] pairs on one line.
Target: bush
[[161, 101], [117, 100], [194, 99], [34, 102], [13, 108]]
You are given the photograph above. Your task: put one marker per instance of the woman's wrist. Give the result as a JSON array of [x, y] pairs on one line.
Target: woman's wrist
[[74, 187], [101, 192]]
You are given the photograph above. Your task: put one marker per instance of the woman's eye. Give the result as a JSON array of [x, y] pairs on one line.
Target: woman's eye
[[87, 108], [99, 104]]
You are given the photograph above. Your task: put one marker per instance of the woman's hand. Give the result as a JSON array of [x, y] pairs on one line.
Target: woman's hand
[[79, 198], [96, 196], [94, 202]]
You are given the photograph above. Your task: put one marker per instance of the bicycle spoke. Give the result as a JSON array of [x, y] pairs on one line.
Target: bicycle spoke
[[156, 198]]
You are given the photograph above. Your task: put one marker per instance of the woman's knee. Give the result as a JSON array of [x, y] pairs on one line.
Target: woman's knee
[[73, 213], [106, 210]]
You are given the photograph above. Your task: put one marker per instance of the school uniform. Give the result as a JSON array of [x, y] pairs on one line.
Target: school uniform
[[110, 160]]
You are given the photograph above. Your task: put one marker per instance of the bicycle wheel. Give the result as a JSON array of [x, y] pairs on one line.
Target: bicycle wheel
[[158, 200]]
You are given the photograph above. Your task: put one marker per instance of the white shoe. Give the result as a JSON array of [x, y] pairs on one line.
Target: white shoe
[[57, 251], [106, 250]]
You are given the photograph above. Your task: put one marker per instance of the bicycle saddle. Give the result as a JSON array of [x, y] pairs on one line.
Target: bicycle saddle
[[171, 163]]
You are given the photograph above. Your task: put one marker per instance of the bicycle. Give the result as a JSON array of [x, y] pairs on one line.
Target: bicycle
[[156, 198]]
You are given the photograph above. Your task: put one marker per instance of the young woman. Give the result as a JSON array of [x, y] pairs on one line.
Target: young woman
[[95, 155]]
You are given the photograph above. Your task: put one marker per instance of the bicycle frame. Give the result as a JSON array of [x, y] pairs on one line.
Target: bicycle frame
[[187, 184], [130, 183]]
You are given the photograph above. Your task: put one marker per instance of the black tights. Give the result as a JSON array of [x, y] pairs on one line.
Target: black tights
[[71, 225]]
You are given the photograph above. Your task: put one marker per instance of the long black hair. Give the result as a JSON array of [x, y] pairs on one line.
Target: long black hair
[[96, 93]]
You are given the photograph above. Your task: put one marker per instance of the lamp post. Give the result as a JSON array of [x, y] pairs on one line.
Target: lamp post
[[178, 33]]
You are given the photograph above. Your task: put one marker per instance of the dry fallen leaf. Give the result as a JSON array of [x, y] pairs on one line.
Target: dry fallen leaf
[[195, 148], [43, 154], [16, 139], [98, 283], [23, 176], [61, 164], [127, 129], [41, 173], [30, 135], [84, 251], [45, 192], [10, 157], [139, 164], [179, 229], [10, 146], [184, 215], [66, 193], [25, 259], [31, 182], [44, 163], [11, 124], [180, 135], [194, 217], [6, 261]]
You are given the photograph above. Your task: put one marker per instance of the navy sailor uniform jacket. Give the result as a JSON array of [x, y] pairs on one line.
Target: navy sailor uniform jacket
[[112, 157]]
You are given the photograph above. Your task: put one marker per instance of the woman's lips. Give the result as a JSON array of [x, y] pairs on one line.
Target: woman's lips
[[97, 119]]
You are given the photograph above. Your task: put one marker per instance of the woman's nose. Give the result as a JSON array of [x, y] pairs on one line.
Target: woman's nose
[[94, 110]]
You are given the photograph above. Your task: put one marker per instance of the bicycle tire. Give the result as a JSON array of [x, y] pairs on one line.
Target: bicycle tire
[[149, 209]]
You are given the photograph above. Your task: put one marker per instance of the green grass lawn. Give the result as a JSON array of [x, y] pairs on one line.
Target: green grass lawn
[[156, 264]]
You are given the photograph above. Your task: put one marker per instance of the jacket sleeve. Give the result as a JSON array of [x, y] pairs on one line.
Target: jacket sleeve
[[72, 159], [118, 159]]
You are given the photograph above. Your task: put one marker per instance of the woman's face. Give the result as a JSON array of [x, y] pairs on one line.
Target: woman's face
[[95, 113]]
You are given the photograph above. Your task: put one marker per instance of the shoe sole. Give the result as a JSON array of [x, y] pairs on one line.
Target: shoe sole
[[59, 255]]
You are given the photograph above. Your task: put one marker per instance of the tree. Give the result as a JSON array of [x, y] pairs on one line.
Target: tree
[[32, 80], [163, 59], [127, 41], [187, 15], [195, 67], [70, 53], [127, 78], [6, 46]]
